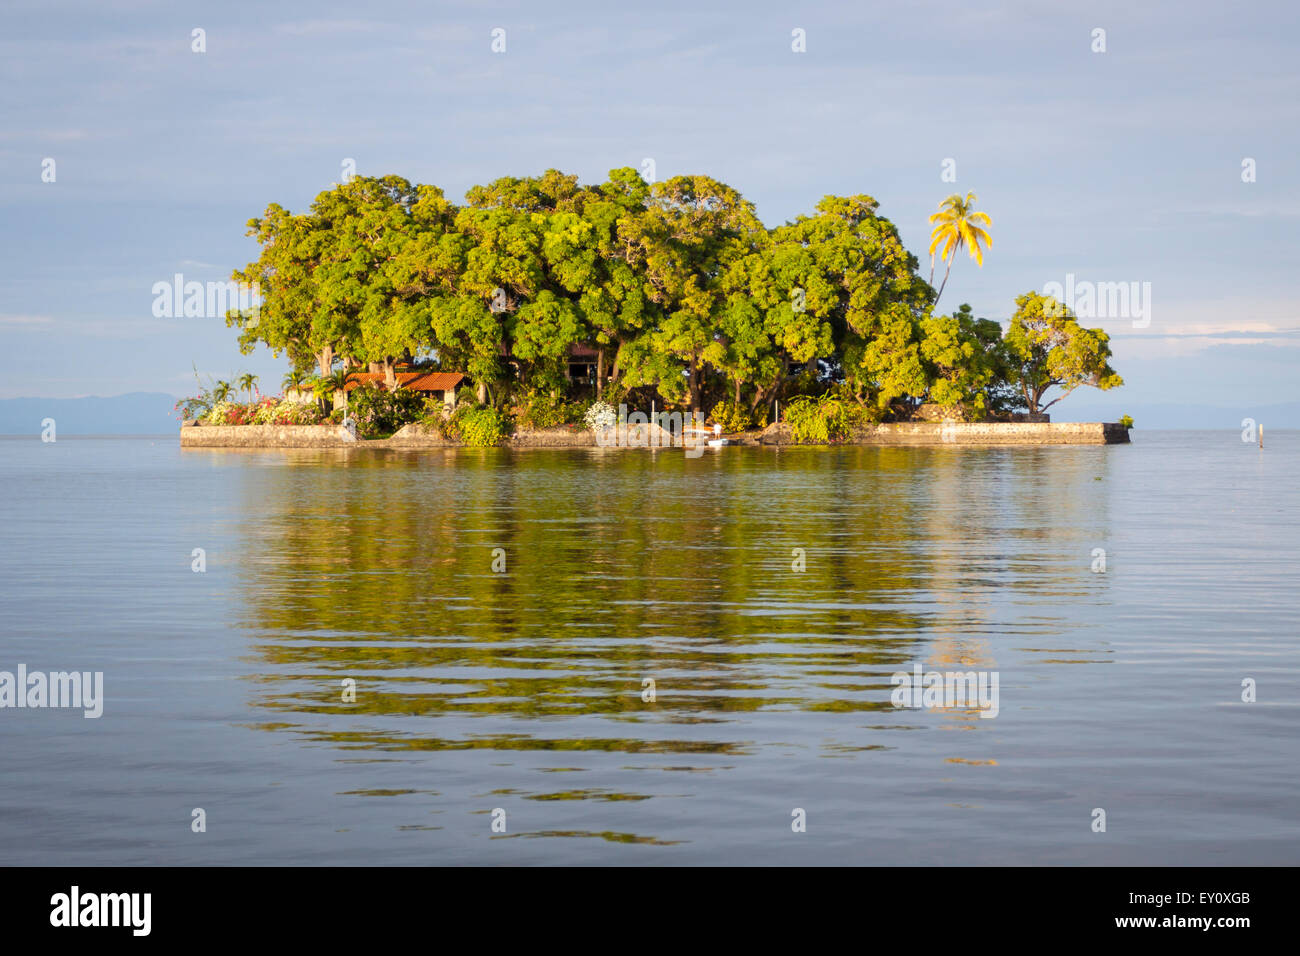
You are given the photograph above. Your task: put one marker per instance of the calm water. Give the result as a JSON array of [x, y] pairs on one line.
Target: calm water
[[522, 690]]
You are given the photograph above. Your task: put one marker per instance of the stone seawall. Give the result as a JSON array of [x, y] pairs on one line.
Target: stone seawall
[[995, 433], [899, 433], [974, 433], [264, 436]]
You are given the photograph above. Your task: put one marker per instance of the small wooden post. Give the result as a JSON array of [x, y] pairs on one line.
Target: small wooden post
[[1261, 436]]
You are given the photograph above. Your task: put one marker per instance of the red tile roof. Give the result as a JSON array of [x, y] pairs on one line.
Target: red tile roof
[[416, 381]]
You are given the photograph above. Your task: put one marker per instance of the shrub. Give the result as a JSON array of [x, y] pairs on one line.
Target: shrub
[[732, 417], [228, 413], [600, 415], [268, 411], [1126, 421], [477, 425], [542, 411], [822, 420], [379, 412], [196, 406], [263, 412]]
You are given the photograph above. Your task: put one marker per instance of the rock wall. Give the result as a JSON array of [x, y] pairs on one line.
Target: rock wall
[[899, 433], [973, 433], [264, 436], [994, 433], [417, 436]]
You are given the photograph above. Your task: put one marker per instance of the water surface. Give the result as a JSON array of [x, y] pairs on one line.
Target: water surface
[[522, 689]]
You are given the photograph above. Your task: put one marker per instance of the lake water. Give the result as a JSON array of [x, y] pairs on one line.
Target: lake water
[[521, 689]]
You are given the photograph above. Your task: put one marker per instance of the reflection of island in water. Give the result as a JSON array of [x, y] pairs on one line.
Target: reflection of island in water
[[622, 566]]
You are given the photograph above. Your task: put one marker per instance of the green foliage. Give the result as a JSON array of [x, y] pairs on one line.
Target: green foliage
[[1047, 347], [735, 418], [821, 420], [481, 426], [686, 296], [540, 410], [1126, 421], [379, 412], [198, 405]]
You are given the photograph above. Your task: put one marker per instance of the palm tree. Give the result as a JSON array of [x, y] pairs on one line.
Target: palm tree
[[957, 224], [220, 392], [293, 381], [338, 380], [323, 390], [247, 382]]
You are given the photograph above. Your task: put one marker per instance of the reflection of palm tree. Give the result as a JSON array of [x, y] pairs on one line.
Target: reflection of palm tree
[[957, 224]]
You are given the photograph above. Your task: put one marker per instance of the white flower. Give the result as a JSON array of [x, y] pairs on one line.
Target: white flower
[[601, 415]]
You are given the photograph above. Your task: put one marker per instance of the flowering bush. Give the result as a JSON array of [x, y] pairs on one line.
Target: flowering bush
[[263, 412], [196, 406], [379, 412], [600, 415], [296, 413], [268, 411], [226, 413]]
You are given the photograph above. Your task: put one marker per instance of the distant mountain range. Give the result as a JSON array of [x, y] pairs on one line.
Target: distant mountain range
[[150, 413], [136, 413]]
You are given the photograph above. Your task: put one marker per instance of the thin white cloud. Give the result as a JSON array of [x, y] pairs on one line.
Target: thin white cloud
[[330, 27], [26, 320]]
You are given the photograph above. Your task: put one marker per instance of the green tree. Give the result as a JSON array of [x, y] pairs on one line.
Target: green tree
[[862, 301], [965, 362], [1047, 347], [293, 379], [284, 274], [694, 228]]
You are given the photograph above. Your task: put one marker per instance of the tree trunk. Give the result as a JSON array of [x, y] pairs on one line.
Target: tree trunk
[[325, 359], [600, 371], [955, 249]]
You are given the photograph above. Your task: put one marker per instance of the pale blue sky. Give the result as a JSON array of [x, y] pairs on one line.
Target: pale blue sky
[[1115, 166]]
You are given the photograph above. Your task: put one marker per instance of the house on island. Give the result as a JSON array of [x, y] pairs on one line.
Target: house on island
[[443, 385], [582, 364]]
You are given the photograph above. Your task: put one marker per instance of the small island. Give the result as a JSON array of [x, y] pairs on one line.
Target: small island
[[543, 312]]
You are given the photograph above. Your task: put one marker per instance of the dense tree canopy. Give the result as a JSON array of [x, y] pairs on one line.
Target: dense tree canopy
[[676, 287]]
